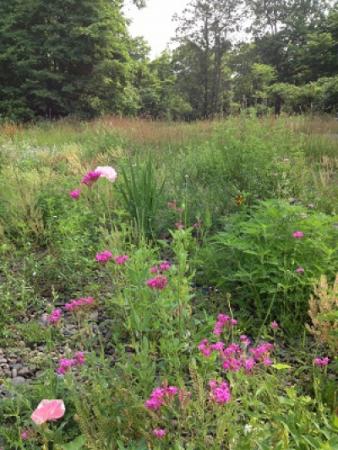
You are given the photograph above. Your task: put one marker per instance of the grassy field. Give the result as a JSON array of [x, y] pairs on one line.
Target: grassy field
[[217, 285]]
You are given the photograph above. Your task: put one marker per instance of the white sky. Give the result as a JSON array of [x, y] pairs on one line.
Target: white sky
[[154, 22]]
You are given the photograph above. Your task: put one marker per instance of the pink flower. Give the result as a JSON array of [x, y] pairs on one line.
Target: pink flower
[[79, 303], [274, 325], [48, 410], [75, 194], [245, 340], [321, 362], [262, 351], [171, 391], [107, 172], [300, 270], [159, 433], [223, 321], [159, 282], [249, 364], [65, 365], [25, 435], [156, 399], [154, 269], [298, 234], [121, 260], [232, 365], [179, 225], [104, 256], [79, 358], [164, 266], [220, 392], [55, 316], [90, 178], [218, 347], [267, 361], [204, 348]]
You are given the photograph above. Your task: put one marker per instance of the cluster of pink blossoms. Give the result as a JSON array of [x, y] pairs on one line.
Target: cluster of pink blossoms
[[219, 392], [162, 267], [121, 260], [160, 396], [79, 303], [159, 433], [104, 257], [66, 364], [321, 362], [223, 321], [55, 316], [298, 234], [235, 357], [159, 282]]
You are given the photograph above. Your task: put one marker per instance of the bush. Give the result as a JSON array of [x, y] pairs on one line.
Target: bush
[[270, 272]]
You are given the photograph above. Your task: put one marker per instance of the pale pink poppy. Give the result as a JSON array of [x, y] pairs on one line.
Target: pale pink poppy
[[48, 410]]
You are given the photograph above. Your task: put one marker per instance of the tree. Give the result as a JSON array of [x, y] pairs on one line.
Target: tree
[[203, 35]]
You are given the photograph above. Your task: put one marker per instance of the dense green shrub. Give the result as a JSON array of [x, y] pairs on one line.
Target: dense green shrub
[[268, 271]]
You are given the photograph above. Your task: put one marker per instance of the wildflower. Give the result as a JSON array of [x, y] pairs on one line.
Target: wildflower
[[154, 269], [90, 178], [321, 362], [222, 321], [232, 365], [79, 358], [249, 364], [300, 270], [220, 392], [245, 340], [164, 266], [156, 399], [261, 351], [171, 391], [79, 303], [267, 361], [104, 256], [298, 234], [274, 325], [159, 433], [159, 282], [247, 428], [121, 260], [25, 435], [65, 365], [48, 410], [75, 194], [55, 316], [107, 172], [219, 346], [204, 348], [232, 349], [179, 225]]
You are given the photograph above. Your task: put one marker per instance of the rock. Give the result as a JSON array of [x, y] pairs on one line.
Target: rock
[[24, 371], [18, 381], [14, 373]]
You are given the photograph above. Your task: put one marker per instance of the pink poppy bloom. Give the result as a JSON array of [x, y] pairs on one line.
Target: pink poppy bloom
[[300, 270], [55, 316], [159, 433], [121, 260], [298, 234], [321, 362], [107, 172], [104, 257], [274, 325], [159, 282], [75, 194], [48, 410]]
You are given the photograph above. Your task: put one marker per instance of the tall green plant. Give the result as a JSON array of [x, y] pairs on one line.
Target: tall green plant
[[141, 194]]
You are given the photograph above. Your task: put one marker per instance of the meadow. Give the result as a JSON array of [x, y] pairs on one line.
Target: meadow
[[169, 285]]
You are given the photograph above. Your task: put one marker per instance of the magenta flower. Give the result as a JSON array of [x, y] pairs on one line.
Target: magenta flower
[[220, 392], [154, 269], [79, 358], [321, 362], [107, 172], [245, 340], [232, 364], [204, 348], [159, 433], [267, 361], [90, 178], [104, 257], [79, 303], [298, 234], [249, 364], [159, 282], [48, 410], [261, 351], [25, 435], [121, 260], [164, 266], [300, 270], [55, 316], [65, 365], [274, 325], [75, 194], [223, 321]]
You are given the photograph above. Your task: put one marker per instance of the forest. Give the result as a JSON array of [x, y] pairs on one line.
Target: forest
[[77, 57]]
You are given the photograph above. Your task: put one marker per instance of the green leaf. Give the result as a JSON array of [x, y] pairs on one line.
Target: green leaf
[[77, 444], [280, 366]]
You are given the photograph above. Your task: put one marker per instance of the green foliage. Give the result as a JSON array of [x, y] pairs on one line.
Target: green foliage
[[256, 258]]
